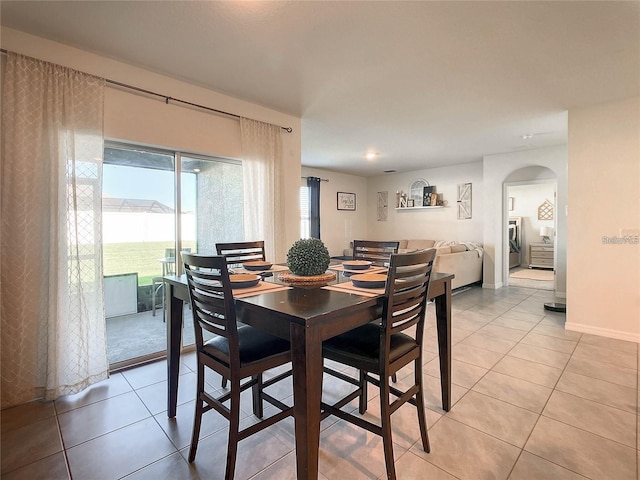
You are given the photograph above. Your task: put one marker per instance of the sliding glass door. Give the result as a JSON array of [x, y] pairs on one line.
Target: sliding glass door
[[150, 214]]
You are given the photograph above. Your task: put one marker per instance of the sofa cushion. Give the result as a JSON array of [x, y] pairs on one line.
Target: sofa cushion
[[444, 243], [419, 244], [458, 248], [443, 250]]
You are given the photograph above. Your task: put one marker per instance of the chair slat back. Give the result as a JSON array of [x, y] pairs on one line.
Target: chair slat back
[[211, 298], [406, 292], [238, 253], [373, 250]]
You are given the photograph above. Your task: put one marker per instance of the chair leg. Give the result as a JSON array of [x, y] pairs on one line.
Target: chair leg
[[153, 299], [362, 402], [197, 418], [234, 429], [256, 391], [422, 418], [155, 289], [385, 416]]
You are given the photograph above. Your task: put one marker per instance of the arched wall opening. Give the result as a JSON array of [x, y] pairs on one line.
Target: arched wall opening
[[523, 166], [529, 198]]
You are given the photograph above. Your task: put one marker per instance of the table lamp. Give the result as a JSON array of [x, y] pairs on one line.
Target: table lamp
[[545, 233]]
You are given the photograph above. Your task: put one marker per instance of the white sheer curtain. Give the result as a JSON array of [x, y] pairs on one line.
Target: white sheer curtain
[[262, 173], [53, 335]]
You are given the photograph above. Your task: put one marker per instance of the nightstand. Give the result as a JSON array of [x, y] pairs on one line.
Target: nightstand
[[541, 255]]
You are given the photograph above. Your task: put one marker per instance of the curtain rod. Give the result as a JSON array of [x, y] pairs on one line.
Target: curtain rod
[[168, 98], [321, 179]]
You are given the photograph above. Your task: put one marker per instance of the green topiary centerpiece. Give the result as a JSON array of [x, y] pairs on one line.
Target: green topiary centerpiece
[[307, 257]]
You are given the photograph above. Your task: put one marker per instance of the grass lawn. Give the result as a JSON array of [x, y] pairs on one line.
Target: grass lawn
[[140, 257]]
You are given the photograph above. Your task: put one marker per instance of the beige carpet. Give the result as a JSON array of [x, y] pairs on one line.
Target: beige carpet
[[532, 274]]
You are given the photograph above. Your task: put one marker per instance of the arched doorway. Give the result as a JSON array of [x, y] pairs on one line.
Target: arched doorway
[[529, 239]]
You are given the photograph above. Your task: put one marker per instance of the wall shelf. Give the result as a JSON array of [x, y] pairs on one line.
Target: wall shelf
[[419, 208]]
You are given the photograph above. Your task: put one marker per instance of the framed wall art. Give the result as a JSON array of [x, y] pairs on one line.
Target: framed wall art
[[346, 201], [428, 194], [383, 198], [464, 201], [545, 211], [416, 189]]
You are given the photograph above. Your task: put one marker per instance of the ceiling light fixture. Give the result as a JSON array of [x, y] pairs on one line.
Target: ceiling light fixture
[[371, 155]]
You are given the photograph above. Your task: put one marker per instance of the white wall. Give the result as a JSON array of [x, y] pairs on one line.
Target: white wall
[[339, 227], [604, 192], [123, 227], [498, 169], [435, 224], [527, 199], [149, 121]]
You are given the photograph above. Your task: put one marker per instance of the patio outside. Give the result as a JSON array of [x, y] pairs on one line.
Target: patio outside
[[140, 239]]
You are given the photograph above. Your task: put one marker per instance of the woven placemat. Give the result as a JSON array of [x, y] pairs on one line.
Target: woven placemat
[[306, 280]]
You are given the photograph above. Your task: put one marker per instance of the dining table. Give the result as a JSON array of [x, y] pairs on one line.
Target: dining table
[[306, 317]]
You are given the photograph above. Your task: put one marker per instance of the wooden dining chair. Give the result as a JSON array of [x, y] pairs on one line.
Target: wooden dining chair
[[384, 346], [373, 250], [238, 253], [236, 351]]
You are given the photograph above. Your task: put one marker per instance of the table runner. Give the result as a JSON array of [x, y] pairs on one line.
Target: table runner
[[262, 287], [348, 287]]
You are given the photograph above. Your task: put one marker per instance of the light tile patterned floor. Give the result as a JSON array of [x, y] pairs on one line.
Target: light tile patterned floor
[[531, 401]]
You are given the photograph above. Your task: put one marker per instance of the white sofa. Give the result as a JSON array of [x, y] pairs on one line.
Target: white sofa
[[463, 259]]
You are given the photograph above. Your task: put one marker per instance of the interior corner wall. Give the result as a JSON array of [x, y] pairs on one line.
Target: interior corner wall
[[497, 169], [604, 220], [146, 120], [339, 227]]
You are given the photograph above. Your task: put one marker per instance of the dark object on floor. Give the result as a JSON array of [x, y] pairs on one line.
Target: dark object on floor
[[556, 307]]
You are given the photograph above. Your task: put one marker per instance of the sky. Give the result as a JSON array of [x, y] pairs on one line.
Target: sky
[[147, 184]]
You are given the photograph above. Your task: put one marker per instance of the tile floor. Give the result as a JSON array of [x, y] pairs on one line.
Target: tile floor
[[531, 401]]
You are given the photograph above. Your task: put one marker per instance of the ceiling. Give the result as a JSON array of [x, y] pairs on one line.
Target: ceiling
[[422, 84]]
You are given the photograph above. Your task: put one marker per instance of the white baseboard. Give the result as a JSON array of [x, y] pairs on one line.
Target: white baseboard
[[603, 332], [458, 290], [493, 286], [561, 294]]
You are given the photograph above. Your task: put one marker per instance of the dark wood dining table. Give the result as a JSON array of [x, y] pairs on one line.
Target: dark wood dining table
[[306, 317]]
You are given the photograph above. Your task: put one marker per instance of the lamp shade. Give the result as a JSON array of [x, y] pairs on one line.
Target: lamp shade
[[546, 231]]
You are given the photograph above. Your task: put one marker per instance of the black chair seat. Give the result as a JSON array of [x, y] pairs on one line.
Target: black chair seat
[[254, 345], [361, 346]]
